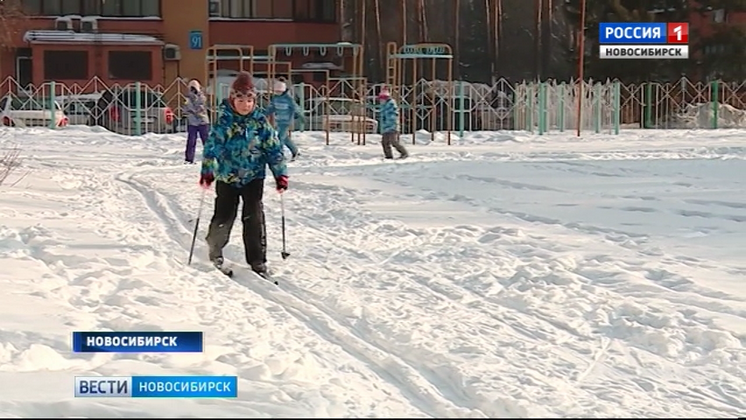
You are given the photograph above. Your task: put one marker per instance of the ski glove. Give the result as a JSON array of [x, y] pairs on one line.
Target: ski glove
[[282, 183], [205, 180]]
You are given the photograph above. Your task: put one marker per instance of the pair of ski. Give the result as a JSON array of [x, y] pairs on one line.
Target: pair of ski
[[229, 272], [219, 263]]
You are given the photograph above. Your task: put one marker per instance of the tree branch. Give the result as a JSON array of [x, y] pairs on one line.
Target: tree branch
[[9, 162], [12, 17]]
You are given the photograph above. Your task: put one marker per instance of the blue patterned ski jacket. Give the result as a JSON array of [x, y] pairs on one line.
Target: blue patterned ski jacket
[[240, 147], [284, 108], [389, 117]]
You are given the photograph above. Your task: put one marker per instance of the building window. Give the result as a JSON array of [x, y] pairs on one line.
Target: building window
[[326, 10], [65, 65], [316, 10], [92, 7], [308, 10], [32, 7], [70, 7], [51, 7], [273, 9], [113, 8], [131, 65], [282, 9], [718, 16], [213, 8], [237, 9], [131, 8], [302, 10], [151, 7]]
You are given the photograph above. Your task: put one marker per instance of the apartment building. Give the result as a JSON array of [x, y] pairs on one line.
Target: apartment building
[[152, 41]]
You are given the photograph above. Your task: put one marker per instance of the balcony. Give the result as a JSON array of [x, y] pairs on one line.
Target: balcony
[[150, 28]]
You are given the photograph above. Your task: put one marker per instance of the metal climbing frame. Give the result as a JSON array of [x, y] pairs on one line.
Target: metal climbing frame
[[243, 54], [280, 69], [304, 92], [346, 87], [342, 49], [414, 102]]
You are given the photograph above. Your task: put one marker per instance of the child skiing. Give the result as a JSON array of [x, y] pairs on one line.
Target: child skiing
[[241, 144], [283, 109], [198, 123], [389, 123]]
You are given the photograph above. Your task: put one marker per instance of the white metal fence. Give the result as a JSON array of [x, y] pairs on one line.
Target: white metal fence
[[435, 106]]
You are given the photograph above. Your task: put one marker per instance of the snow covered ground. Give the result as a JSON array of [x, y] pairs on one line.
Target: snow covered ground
[[508, 275]]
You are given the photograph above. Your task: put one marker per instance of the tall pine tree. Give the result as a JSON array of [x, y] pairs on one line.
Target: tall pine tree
[[722, 50], [716, 53]]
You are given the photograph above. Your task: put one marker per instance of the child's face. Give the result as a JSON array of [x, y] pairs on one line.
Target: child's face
[[244, 104]]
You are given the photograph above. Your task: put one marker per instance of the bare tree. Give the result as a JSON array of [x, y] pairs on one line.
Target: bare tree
[[538, 38], [11, 22], [421, 22], [490, 36], [379, 35], [348, 30], [9, 162], [457, 36], [494, 30]]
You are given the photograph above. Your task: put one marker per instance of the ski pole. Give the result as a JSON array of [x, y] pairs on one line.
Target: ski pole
[[284, 253], [196, 225]]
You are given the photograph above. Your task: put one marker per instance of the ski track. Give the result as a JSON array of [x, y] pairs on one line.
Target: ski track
[[424, 395], [557, 330], [539, 325], [112, 302], [178, 231]]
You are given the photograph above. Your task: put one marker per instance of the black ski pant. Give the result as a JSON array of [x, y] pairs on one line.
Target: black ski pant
[[252, 216]]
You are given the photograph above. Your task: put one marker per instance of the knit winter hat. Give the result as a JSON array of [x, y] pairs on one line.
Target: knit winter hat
[[243, 85], [194, 83]]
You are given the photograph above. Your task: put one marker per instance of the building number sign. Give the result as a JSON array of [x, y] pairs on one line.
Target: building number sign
[[195, 40]]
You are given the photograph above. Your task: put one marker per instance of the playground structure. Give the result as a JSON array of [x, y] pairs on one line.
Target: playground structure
[[247, 61], [216, 88], [303, 91], [355, 83], [421, 99], [262, 65], [283, 71]]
